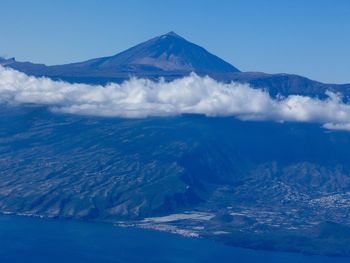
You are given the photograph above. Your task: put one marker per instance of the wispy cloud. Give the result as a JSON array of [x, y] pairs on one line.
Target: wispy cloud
[[140, 98]]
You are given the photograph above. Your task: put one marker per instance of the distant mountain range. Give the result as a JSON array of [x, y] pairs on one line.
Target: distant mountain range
[[171, 56]]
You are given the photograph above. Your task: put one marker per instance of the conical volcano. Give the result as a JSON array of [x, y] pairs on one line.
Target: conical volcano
[[168, 52]]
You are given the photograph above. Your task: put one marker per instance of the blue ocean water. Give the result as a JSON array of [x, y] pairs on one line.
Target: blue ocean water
[[25, 239]]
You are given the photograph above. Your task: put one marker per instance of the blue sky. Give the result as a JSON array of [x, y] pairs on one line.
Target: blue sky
[[310, 38]]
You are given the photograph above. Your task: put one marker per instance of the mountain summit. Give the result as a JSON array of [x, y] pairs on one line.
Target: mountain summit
[[168, 52]]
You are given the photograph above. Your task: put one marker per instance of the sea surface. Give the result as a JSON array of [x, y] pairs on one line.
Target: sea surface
[[28, 239]]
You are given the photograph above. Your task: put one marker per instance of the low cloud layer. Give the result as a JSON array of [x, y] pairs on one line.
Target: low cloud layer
[[140, 98]]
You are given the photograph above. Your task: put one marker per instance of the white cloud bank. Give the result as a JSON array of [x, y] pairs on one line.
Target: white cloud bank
[[139, 98]]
